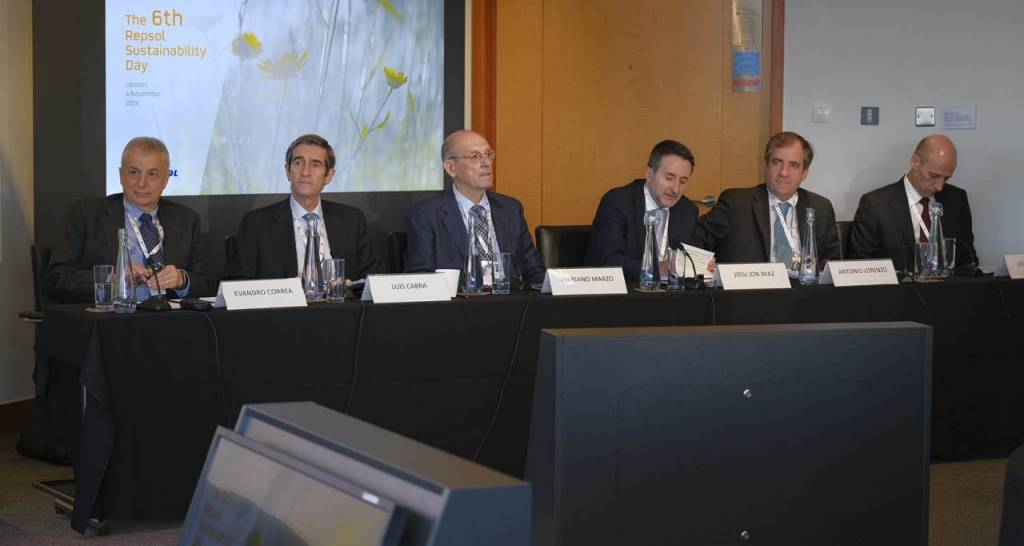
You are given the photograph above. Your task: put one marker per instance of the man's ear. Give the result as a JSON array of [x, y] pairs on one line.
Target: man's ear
[[449, 168]]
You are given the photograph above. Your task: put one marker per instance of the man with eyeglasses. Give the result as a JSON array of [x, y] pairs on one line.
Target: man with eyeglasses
[[437, 225], [271, 240], [892, 218]]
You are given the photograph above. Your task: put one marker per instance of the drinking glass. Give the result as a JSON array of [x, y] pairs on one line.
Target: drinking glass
[[949, 254], [103, 285], [676, 270], [500, 273], [334, 279]]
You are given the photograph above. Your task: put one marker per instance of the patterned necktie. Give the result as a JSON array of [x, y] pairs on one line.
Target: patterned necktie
[[926, 219], [483, 231], [783, 252], [150, 235]]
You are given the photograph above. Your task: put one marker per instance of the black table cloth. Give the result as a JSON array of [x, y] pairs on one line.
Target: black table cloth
[[456, 375]]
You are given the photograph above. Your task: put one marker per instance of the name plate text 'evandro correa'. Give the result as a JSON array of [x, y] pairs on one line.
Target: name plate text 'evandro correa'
[[751, 276], [859, 273], [261, 294], [406, 288], [578, 281]]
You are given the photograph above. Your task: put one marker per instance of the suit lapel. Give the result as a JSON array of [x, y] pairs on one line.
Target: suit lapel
[[283, 233], [112, 220], [499, 216], [333, 226], [761, 219], [639, 212], [899, 210], [174, 241], [451, 217]]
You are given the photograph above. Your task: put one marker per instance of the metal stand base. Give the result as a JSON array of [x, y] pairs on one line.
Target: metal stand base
[[63, 493]]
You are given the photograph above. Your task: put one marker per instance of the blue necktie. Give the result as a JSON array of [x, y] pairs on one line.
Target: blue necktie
[[483, 231], [150, 235], [783, 252]]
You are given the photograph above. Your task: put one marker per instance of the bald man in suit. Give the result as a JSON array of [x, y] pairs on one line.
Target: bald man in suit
[[890, 219]]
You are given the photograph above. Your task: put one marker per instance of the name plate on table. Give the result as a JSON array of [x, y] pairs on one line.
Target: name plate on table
[[1015, 265], [406, 288], [751, 276], [260, 294], [859, 273], [579, 281]]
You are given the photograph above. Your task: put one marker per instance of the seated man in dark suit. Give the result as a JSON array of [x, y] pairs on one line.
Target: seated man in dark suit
[[889, 220], [272, 239], [163, 236], [765, 223], [618, 232], [437, 225]]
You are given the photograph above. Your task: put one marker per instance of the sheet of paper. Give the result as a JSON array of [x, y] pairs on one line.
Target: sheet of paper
[[701, 258]]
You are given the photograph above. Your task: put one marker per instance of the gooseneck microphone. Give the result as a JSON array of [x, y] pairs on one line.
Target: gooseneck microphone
[[698, 278]]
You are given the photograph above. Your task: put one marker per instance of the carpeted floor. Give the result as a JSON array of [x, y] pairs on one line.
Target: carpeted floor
[[966, 504]]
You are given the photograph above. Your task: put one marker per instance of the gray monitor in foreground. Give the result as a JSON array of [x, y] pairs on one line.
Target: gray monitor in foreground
[[767, 434], [450, 501]]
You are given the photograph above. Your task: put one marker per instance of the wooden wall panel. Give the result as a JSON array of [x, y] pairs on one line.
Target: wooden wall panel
[[619, 77], [585, 89], [519, 117]]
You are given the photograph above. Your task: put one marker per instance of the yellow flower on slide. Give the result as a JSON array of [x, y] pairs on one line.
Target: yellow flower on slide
[[395, 78], [247, 46], [285, 66]]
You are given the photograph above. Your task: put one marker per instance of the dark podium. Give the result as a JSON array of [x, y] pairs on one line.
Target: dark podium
[[776, 435]]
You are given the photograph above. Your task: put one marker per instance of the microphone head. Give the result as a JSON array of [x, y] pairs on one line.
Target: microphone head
[[154, 264]]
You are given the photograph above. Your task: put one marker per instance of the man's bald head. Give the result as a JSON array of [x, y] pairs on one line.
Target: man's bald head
[[932, 164]]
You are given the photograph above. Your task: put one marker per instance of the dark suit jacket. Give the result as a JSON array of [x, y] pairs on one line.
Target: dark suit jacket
[[266, 243], [90, 238], [437, 235], [737, 228], [618, 230], [882, 227]]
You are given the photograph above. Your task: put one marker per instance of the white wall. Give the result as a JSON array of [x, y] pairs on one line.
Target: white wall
[[898, 55], [16, 223]]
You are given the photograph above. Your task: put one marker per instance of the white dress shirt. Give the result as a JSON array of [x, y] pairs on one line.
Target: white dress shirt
[[661, 232], [300, 232], [916, 209]]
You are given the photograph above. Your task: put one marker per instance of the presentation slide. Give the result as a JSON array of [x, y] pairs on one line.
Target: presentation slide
[[228, 84]]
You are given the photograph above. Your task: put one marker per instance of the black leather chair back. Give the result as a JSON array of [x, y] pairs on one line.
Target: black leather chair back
[[844, 239], [562, 246], [397, 241], [40, 260]]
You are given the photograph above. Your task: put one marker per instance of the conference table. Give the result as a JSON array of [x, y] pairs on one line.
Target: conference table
[[456, 375]]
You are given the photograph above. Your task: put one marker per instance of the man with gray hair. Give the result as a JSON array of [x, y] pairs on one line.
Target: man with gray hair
[[163, 236], [437, 225], [271, 240]]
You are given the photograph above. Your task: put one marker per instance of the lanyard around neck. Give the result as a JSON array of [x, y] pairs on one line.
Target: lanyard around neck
[[785, 223], [146, 254]]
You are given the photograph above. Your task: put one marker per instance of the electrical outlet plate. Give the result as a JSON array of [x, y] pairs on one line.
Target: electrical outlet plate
[[924, 116]]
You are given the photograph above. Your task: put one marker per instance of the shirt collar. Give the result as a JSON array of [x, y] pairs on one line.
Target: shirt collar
[[465, 204], [773, 201], [651, 204], [131, 210], [913, 197], [298, 212]]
